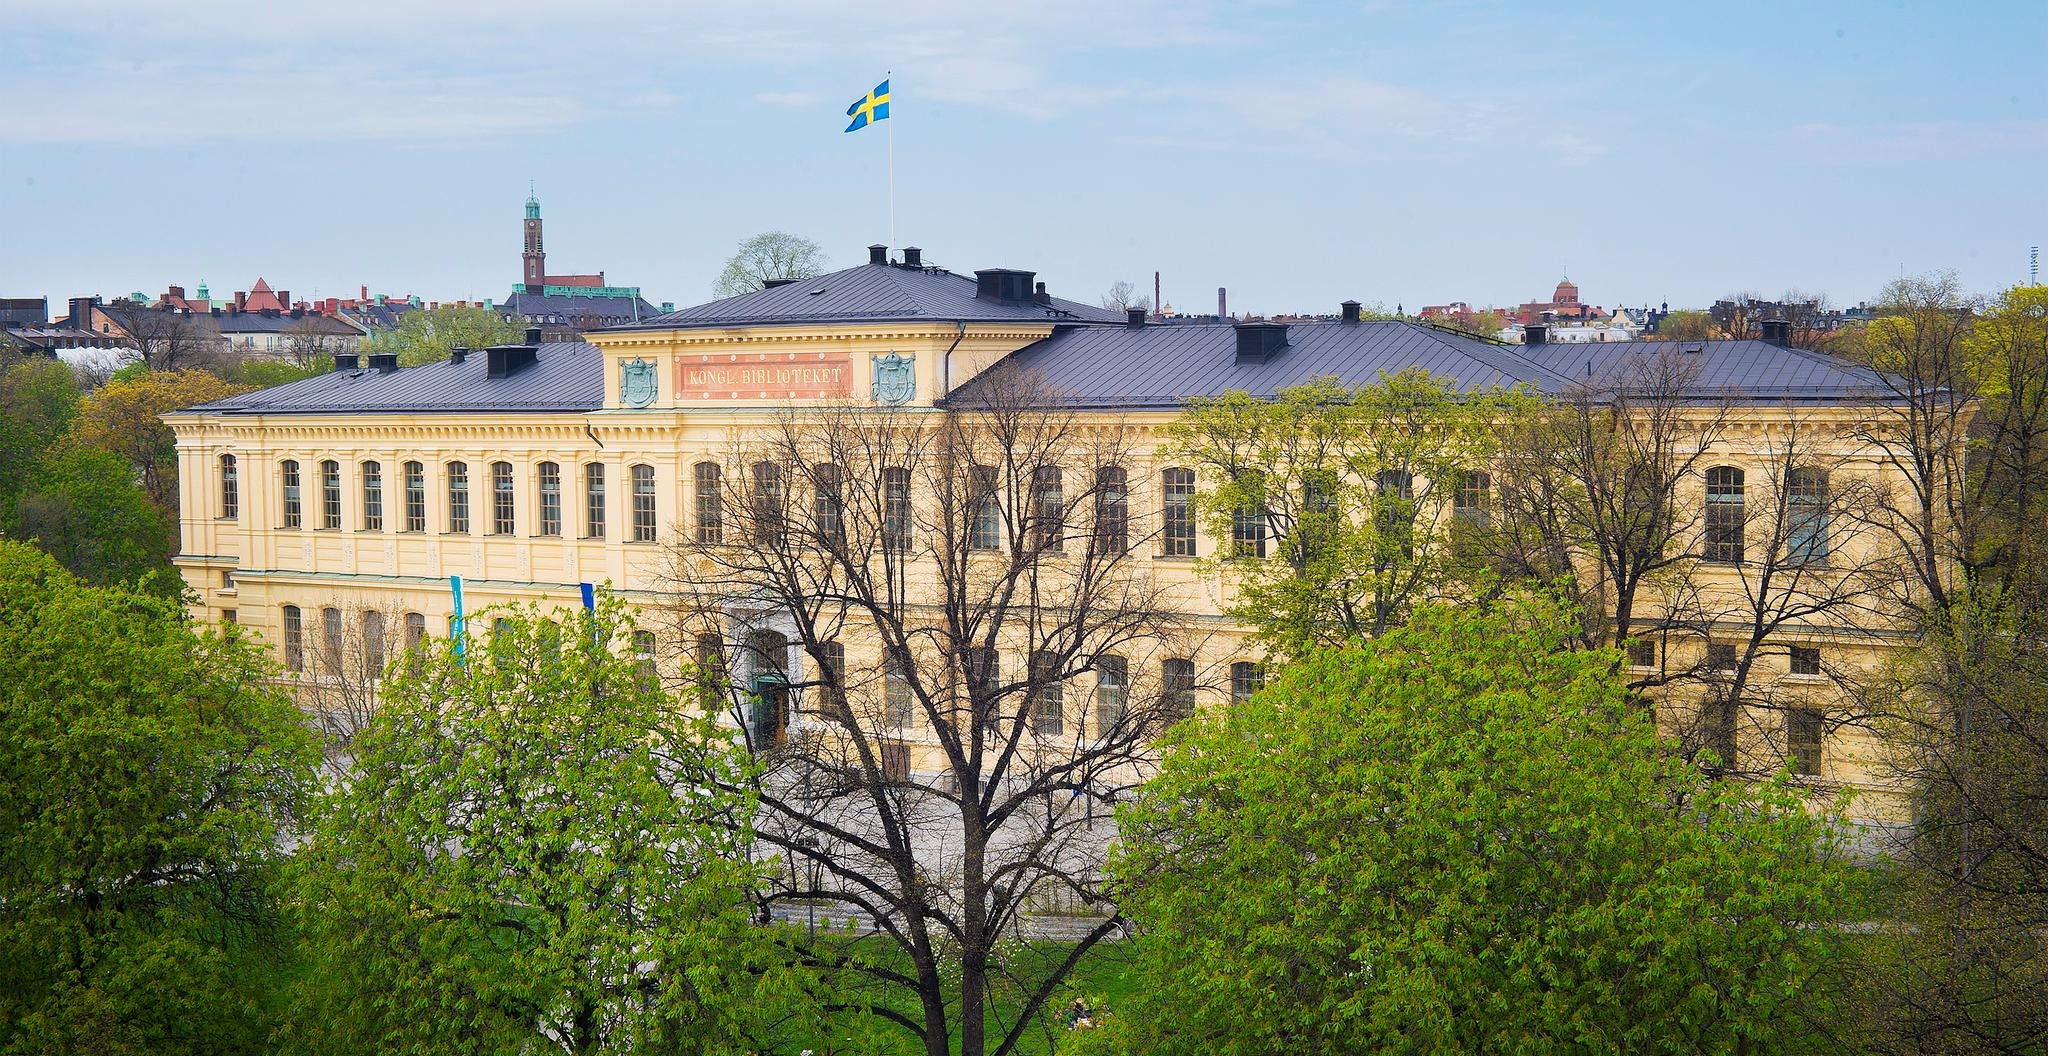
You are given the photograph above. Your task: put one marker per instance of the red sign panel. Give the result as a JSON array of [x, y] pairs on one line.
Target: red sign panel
[[764, 376]]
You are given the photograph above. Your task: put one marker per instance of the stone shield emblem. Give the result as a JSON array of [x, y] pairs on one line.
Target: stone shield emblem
[[637, 387], [895, 379]]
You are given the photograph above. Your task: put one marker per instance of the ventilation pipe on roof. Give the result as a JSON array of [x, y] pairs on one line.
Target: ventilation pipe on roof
[[1777, 332], [1349, 311], [1134, 317], [769, 284], [1535, 334], [913, 257], [384, 362], [1040, 295], [878, 254], [533, 335], [1259, 342], [458, 354], [346, 361], [1003, 284]]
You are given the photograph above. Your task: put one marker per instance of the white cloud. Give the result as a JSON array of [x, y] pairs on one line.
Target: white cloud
[[789, 98]]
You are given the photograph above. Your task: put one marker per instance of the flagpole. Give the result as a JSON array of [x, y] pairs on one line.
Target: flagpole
[[890, 76]]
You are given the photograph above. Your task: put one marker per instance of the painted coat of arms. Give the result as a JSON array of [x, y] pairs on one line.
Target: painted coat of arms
[[637, 386], [895, 379]]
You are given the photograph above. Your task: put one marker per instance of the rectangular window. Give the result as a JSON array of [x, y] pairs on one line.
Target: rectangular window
[[1112, 510], [502, 498], [330, 641], [1248, 520], [415, 636], [1721, 658], [1806, 516], [330, 494], [373, 644], [1472, 503], [1394, 512], [458, 498], [897, 700], [1048, 696], [985, 525], [550, 476], [895, 760], [832, 681], [1803, 731], [767, 504], [1246, 679], [645, 673], [711, 673], [227, 616], [289, 468], [415, 497], [828, 504], [643, 503], [1176, 690], [1112, 693], [1642, 652], [593, 501], [1725, 515], [1048, 508], [373, 496], [1806, 660], [896, 527], [227, 579], [1177, 509], [230, 488], [710, 503], [984, 673], [1718, 732], [294, 639]]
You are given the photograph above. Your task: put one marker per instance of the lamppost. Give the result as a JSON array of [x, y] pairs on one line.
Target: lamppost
[[813, 871]]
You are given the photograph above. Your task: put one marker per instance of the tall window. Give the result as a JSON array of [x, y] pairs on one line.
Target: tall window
[[1248, 520], [1112, 692], [1177, 510], [550, 477], [415, 497], [1472, 502], [644, 670], [415, 638], [330, 640], [1806, 516], [1717, 729], [1048, 695], [1394, 509], [1112, 509], [828, 503], [896, 760], [1725, 514], [502, 497], [1246, 679], [985, 527], [1803, 728], [373, 644], [230, 489], [294, 639], [831, 659], [289, 468], [896, 509], [1176, 689], [710, 669], [643, 504], [767, 504], [330, 494], [710, 504], [373, 496], [897, 700], [458, 498], [1048, 508], [593, 501], [984, 670]]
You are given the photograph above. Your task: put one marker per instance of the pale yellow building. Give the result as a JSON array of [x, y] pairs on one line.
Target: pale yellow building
[[339, 507]]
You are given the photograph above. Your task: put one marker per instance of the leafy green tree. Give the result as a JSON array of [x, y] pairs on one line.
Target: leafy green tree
[[516, 865], [84, 508], [122, 417], [427, 335], [147, 769], [1686, 324], [263, 372], [1465, 837], [768, 255], [38, 398], [1339, 506]]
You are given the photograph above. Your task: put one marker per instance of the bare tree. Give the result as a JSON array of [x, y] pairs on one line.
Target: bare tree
[[172, 340], [937, 636], [338, 665], [1123, 295], [315, 339]]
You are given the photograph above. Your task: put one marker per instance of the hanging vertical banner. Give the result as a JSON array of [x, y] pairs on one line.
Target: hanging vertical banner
[[456, 627]]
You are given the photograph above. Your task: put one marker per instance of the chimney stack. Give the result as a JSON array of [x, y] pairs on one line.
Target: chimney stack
[[284, 297], [533, 335], [1535, 334], [1349, 312], [1222, 303], [913, 257], [1040, 295], [384, 362], [878, 254], [1134, 317], [458, 354], [1777, 332], [1259, 342]]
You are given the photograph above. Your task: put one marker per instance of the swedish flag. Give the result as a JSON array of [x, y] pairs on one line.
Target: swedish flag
[[873, 107]]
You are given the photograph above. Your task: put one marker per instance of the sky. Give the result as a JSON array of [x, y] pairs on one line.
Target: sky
[[1297, 153]]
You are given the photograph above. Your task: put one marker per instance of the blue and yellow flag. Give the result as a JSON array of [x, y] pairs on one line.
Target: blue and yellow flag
[[873, 107]]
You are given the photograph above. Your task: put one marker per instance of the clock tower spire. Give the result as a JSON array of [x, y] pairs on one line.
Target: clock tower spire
[[534, 258]]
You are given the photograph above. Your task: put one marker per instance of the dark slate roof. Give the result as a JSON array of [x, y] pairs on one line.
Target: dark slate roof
[[567, 376], [262, 323], [875, 293], [1162, 366], [579, 310]]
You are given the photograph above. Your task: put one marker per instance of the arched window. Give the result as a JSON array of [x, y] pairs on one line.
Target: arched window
[[293, 509], [896, 526], [1048, 695], [549, 476], [458, 497], [593, 501], [373, 496], [710, 504], [1248, 518], [294, 639], [1806, 516], [230, 489], [502, 497], [1726, 514], [985, 515], [331, 642], [415, 638], [1177, 512], [828, 503], [767, 504], [1246, 679], [711, 674], [373, 644], [1176, 689], [330, 494], [897, 699], [415, 497], [643, 504], [1112, 509]]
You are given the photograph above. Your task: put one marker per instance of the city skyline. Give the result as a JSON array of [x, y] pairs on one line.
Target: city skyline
[[1298, 155]]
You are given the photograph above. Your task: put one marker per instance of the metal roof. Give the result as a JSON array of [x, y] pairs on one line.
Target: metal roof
[[566, 376], [874, 293], [1163, 366]]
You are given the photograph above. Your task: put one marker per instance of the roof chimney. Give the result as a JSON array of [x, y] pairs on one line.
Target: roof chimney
[[1777, 332], [533, 335], [878, 254], [503, 361], [1259, 342], [458, 354], [346, 361], [1535, 334], [1349, 311], [1003, 284], [1222, 303], [913, 257], [1134, 317], [284, 297], [1040, 295], [384, 362]]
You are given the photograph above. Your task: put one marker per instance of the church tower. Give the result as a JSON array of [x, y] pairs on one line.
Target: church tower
[[535, 258]]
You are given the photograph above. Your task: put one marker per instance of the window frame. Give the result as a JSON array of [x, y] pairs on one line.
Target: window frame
[[708, 487], [292, 491], [230, 488], [646, 512], [372, 473], [1725, 513], [594, 499], [1177, 536], [458, 498], [504, 499], [1112, 509], [415, 495], [548, 481], [330, 494]]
